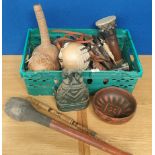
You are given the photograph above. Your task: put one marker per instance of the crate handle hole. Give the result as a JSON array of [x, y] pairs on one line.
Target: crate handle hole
[[105, 81], [89, 81]]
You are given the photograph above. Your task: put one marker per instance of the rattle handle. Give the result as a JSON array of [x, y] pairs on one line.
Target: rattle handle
[[52, 113], [70, 122], [45, 40], [86, 138]]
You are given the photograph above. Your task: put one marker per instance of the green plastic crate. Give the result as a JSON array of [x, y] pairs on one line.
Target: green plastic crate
[[45, 82]]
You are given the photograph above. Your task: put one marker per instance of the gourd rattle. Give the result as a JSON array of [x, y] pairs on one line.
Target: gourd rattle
[[44, 56]]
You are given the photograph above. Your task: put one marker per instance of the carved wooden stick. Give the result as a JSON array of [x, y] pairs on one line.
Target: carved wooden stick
[[22, 110], [52, 113]]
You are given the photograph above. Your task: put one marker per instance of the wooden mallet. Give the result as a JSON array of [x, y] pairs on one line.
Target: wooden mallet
[[22, 110]]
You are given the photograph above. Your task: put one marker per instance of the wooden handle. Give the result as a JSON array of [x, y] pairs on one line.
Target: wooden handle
[[54, 114], [86, 138], [45, 40]]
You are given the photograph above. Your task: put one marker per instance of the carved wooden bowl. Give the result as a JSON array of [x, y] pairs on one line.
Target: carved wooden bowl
[[114, 105]]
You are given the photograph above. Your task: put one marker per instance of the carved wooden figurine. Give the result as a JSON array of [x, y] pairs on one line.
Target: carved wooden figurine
[[72, 94]]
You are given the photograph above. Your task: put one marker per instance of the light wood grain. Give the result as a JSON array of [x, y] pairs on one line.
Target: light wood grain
[[32, 139], [84, 148]]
